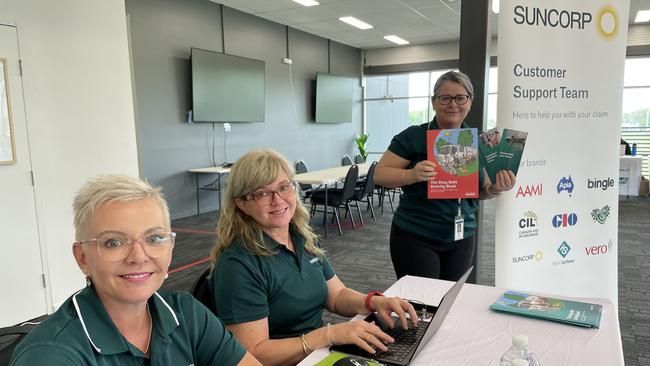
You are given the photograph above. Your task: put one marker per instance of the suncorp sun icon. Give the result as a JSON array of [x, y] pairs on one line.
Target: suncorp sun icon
[[565, 184], [564, 220]]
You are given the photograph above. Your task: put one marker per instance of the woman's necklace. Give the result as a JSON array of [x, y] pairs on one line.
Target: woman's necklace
[[146, 351]]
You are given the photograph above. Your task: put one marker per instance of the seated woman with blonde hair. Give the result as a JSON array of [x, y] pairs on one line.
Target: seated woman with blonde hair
[[124, 248], [271, 281]]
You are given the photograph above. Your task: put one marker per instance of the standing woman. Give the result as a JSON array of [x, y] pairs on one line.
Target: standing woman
[[124, 248], [422, 240]]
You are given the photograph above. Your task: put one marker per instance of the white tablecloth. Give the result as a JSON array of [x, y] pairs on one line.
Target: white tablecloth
[[474, 335], [629, 173]]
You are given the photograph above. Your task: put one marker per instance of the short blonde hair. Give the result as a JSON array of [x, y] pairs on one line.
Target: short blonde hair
[[255, 169], [108, 188]]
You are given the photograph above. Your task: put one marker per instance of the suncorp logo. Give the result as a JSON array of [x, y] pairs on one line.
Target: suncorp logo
[[529, 190], [564, 220], [607, 19], [565, 184], [598, 249], [600, 215], [528, 225], [603, 184], [528, 257]]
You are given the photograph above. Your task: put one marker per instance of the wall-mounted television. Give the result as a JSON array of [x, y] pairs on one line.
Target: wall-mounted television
[[226, 88], [334, 98]]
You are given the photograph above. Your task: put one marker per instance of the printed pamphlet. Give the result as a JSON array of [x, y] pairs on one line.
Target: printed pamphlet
[[501, 152], [455, 153], [565, 311]]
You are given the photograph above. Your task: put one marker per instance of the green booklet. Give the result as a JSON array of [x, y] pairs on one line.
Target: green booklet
[[501, 151], [338, 358], [565, 311]]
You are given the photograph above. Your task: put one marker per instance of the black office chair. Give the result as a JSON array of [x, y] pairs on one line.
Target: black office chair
[[365, 192], [202, 292], [9, 339], [346, 160], [306, 190], [337, 198], [358, 159]]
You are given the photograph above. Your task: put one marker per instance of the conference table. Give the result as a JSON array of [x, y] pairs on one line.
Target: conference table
[[472, 334], [629, 175], [325, 177], [215, 185]]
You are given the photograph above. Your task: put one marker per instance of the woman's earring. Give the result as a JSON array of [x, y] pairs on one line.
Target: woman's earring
[[166, 275], [89, 282]]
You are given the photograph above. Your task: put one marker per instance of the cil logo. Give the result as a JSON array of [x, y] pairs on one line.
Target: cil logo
[[564, 249], [600, 215], [564, 220], [565, 184], [529, 191], [598, 249], [528, 225]]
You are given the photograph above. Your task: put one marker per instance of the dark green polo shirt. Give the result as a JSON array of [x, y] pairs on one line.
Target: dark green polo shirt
[[416, 213], [289, 289], [81, 333]]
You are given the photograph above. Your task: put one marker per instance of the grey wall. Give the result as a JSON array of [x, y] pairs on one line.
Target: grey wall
[[162, 32]]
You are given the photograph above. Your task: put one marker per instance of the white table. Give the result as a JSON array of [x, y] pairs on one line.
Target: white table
[[214, 186], [329, 176], [474, 335], [629, 175]]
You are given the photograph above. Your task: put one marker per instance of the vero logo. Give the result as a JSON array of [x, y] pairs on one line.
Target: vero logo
[[564, 220]]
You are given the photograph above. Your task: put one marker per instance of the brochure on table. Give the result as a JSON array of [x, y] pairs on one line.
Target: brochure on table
[[338, 358]]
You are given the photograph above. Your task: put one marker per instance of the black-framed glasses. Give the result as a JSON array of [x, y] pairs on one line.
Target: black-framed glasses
[[114, 247], [460, 99], [286, 190]]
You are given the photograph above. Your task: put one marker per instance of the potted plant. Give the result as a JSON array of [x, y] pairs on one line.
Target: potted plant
[[362, 145]]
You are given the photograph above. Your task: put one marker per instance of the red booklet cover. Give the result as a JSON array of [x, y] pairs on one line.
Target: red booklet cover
[[455, 153]]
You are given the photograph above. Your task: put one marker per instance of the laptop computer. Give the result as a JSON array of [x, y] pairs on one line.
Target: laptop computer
[[408, 343]]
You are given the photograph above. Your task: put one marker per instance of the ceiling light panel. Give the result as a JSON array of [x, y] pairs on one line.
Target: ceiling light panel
[[642, 16], [356, 22], [395, 39], [307, 2]]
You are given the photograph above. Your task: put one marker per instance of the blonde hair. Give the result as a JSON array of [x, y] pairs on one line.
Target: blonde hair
[[255, 169], [108, 188]]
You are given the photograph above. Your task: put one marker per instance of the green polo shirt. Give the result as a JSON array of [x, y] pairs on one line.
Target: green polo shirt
[[81, 333], [416, 213], [290, 289]]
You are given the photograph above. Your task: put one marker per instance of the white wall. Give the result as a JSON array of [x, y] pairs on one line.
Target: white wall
[[79, 108]]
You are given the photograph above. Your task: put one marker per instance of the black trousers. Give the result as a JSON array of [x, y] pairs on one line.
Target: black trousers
[[417, 256]]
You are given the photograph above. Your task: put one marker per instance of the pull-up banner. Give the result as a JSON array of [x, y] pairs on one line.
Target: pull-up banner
[[561, 80]]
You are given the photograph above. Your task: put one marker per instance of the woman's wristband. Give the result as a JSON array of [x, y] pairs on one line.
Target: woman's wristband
[[366, 303]]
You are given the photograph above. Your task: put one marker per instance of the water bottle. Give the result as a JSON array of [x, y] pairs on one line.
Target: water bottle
[[519, 351], [634, 149]]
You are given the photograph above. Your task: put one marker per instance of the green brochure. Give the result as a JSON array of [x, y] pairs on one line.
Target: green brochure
[[488, 146], [565, 311], [511, 149], [338, 358]]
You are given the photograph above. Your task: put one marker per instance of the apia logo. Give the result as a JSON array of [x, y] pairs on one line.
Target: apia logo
[[565, 184], [564, 249], [529, 191], [600, 183], [564, 220], [600, 215], [528, 225], [597, 249]]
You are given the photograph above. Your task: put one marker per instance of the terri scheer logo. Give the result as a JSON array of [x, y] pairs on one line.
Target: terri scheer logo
[[606, 19]]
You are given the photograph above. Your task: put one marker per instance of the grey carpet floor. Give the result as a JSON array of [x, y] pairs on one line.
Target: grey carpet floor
[[361, 259]]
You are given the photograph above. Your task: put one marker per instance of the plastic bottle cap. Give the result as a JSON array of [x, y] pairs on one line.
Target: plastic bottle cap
[[519, 362], [520, 341]]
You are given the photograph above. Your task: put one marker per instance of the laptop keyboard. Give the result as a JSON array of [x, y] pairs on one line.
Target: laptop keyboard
[[406, 341]]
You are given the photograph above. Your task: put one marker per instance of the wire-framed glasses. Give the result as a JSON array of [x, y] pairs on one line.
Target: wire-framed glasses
[[460, 99], [286, 190], [114, 248]]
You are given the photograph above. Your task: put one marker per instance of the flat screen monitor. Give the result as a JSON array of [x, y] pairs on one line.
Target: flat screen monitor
[[334, 98], [226, 88]]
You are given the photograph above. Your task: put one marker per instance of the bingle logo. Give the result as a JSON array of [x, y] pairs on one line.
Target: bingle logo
[[565, 184], [529, 191], [564, 249], [602, 183], [598, 249], [528, 224], [564, 220], [600, 215]]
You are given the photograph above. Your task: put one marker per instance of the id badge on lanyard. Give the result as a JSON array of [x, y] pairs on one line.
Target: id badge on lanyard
[[459, 224]]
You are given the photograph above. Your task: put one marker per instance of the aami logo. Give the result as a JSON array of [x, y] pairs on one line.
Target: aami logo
[[528, 225], [529, 190], [600, 215], [565, 184], [564, 249], [565, 219], [603, 184], [598, 249]]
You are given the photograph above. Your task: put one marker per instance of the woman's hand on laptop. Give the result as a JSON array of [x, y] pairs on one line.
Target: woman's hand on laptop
[[384, 306], [366, 335]]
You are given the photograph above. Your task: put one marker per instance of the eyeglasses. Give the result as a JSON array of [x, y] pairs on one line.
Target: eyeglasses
[[114, 248], [459, 99], [265, 197]]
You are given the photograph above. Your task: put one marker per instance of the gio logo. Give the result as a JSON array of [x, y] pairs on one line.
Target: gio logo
[[600, 215], [564, 220], [529, 191], [565, 184], [564, 249]]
